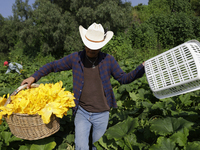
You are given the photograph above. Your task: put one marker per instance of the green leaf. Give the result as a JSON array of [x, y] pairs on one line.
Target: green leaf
[[4, 125], [23, 147], [103, 141], [169, 125], [117, 95], [48, 146], [131, 139], [123, 128], [122, 115], [122, 88], [163, 144], [134, 96], [146, 104], [180, 137], [14, 139], [70, 138], [131, 142], [120, 143], [1, 145], [158, 105], [193, 145], [142, 93], [44, 144], [119, 103], [113, 145], [129, 88], [7, 137], [126, 147], [191, 115], [98, 146], [185, 99]]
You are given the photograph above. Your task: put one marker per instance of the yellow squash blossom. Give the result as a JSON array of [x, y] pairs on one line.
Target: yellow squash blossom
[[45, 100], [3, 100]]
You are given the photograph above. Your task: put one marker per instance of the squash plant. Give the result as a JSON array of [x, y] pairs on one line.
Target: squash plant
[[141, 121]]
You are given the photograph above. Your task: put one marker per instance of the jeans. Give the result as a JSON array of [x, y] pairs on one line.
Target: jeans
[[84, 120]]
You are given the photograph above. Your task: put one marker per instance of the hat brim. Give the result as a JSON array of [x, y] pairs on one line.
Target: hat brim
[[94, 45]]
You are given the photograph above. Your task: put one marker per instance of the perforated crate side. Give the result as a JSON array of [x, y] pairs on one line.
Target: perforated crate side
[[170, 73]]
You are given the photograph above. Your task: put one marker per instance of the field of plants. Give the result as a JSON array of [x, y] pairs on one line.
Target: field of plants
[[141, 121], [48, 30]]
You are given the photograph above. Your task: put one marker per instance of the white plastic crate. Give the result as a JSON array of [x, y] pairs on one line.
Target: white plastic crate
[[176, 71]]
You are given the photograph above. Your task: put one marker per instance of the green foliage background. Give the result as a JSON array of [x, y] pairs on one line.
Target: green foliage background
[[48, 30]]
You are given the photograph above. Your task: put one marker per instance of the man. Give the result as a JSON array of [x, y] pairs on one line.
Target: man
[[91, 83], [13, 66]]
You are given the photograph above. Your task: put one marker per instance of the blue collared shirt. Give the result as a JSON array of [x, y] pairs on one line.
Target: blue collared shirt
[[108, 67]]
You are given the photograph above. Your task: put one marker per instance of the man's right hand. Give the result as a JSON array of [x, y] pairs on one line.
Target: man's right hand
[[28, 81]]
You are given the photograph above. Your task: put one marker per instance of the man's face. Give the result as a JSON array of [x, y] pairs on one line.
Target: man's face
[[91, 53]]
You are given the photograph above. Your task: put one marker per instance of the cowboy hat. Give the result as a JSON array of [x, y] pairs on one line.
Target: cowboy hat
[[94, 37]]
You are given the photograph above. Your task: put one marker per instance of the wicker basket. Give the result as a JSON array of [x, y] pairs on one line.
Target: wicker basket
[[30, 127]]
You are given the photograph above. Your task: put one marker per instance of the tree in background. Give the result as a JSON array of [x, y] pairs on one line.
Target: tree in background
[[3, 38], [8, 36], [11, 26], [51, 27], [169, 23], [49, 31], [195, 4], [21, 10]]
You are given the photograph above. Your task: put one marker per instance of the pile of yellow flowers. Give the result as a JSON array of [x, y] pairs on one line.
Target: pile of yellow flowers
[[45, 100]]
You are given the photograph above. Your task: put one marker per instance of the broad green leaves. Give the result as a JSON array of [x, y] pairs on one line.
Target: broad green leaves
[[44, 144], [8, 138], [193, 145], [141, 121], [163, 144], [122, 135], [170, 143], [123, 128], [169, 125], [185, 99], [180, 137]]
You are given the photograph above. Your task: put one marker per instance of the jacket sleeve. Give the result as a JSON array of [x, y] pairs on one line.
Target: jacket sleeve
[[123, 77], [56, 66]]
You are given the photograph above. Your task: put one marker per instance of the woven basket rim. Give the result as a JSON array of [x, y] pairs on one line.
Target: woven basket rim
[[34, 85]]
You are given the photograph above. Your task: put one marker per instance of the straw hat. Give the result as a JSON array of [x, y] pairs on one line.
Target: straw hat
[[94, 37]]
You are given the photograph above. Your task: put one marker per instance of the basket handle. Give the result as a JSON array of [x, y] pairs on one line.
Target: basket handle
[[34, 85]]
